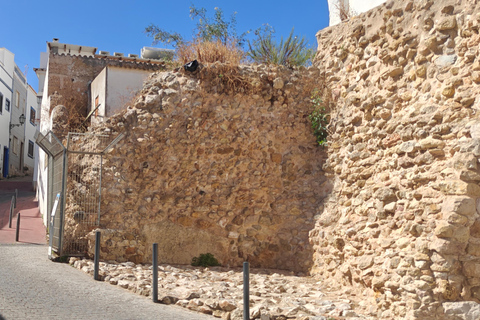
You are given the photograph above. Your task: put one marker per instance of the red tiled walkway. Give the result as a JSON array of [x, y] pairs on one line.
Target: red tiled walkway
[[32, 229]]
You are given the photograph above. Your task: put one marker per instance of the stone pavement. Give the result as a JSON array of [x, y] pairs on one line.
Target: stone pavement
[[33, 287]]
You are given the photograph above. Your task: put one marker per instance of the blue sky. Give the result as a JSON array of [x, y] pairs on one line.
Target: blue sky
[[117, 26]]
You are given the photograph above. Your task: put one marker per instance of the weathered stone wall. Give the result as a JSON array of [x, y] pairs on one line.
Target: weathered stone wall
[[402, 221], [225, 163], [221, 161]]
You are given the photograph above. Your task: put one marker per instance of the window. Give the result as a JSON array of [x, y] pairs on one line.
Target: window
[[32, 115], [1, 102], [17, 99], [7, 105], [31, 146], [15, 145]]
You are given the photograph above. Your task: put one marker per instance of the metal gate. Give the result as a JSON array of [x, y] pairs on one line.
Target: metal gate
[[55, 186], [85, 153], [74, 182]]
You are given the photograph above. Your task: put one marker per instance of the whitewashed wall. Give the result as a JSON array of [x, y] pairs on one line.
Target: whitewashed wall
[[115, 88], [357, 7], [30, 127], [7, 66]]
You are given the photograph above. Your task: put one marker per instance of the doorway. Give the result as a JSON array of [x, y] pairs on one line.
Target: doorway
[[5, 162]]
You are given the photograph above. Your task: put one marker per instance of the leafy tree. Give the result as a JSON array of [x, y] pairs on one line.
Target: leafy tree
[[291, 52], [213, 29], [161, 36]]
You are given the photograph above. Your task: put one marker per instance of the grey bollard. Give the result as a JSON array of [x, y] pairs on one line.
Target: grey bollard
[[246, 291], [18, 227], [16, 196], [11, 212], [96, 259], [155, 273]]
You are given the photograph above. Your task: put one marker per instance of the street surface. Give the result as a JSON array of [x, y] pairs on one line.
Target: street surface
[[33, 287]]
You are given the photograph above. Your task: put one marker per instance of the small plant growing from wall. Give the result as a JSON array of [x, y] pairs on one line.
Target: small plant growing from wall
[[291, 52], [205, 260], [319, 118]]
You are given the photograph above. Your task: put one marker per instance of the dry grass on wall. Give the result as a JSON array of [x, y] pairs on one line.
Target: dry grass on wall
[[210, 52]]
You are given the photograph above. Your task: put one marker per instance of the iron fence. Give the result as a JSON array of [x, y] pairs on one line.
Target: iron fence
[[75, 180]]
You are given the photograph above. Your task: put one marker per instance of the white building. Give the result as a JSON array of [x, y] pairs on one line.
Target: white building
[[340, 10], [122, 84], [44, 194], [99, 85], [17, 98], [31, 123], [7, 66]]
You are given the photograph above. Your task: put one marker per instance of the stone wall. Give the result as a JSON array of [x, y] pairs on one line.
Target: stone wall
[[401, 225], [221, 161], [224, 161]]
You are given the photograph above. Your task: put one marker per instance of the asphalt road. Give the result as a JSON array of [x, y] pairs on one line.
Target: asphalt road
[[33, 287]]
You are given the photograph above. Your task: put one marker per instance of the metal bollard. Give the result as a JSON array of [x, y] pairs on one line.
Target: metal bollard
[[18, 227], [11, 212], [97, 256], [16, 196], [155, 273], [246, 291]]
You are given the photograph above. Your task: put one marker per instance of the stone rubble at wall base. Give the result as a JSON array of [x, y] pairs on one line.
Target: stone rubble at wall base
[[274, 294]]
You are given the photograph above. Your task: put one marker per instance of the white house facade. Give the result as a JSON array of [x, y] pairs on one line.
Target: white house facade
[[7, 66], [121, 84], [339, 10], [17, 98], [31, 124]]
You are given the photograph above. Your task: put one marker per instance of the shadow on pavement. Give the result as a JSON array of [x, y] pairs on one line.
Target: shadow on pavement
[[31, 244]]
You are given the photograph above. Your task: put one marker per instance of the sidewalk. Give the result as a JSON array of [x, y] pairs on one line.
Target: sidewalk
[[32, 229]]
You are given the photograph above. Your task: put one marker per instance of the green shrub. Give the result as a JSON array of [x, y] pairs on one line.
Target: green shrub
[[291, 53], [62, 259], [205, 260], [319, 118]]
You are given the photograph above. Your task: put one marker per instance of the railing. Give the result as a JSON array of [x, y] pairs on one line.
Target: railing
[[13, 205]]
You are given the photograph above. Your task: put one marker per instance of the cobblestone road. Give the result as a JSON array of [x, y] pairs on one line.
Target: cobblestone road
[[32, 287]]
